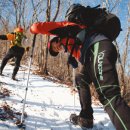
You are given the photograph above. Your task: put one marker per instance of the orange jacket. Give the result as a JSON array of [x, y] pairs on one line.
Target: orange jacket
[[10, 36]]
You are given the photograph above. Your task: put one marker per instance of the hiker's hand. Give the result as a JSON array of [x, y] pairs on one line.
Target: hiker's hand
[[73, 91], [27, 49]]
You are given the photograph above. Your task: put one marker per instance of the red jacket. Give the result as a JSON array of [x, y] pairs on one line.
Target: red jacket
[[76, 52], [61, 29]]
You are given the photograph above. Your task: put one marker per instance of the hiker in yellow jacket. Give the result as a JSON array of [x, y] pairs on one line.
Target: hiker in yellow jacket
[[16, 50]]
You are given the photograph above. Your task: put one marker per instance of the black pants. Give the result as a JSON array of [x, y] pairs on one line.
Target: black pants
[[100, 69], [16, 52]]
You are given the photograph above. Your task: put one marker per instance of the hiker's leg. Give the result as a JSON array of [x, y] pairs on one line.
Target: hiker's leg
[[8, 56], [82, 83], [18, 58]]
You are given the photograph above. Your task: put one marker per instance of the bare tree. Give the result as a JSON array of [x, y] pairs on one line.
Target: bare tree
[[125, 55], [45, 48]]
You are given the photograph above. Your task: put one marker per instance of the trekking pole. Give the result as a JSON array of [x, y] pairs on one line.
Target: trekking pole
[[73, 115], [74, 86], [24, 74], [24, 101]]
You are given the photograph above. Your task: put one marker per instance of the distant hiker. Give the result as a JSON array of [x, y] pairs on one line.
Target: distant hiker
[[94, 49], [16, 50]]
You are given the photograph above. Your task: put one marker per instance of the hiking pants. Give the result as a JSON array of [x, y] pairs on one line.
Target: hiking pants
[[100, 68], [16, 52]]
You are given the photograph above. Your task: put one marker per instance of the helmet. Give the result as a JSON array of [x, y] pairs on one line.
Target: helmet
[[74, 13], [19, 29]]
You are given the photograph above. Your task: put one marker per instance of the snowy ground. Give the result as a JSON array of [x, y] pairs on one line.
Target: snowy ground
[[48, 105]]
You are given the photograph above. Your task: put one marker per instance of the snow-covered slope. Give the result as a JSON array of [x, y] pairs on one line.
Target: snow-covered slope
[[48, 105]]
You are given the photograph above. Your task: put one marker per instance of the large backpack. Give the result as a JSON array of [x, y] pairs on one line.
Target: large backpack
[[96, 19]]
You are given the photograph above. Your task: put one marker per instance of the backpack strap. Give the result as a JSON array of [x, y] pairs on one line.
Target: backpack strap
[[79, 40], [66, 45], [71, 60]]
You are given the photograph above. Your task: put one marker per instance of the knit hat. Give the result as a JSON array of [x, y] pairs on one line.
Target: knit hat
[[19, 29], [53, 53]]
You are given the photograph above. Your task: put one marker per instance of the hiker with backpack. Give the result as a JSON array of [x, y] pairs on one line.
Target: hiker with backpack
[[93, 47], [16, 50]]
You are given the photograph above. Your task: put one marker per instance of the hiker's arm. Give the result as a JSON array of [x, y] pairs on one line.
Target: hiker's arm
[[3, 37], [25, 43], [8, 36]]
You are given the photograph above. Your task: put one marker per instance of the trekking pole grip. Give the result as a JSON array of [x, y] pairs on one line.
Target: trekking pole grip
[[33, 44]]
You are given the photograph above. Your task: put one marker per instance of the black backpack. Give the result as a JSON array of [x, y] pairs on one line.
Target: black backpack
[[97, 19], [109, 25]]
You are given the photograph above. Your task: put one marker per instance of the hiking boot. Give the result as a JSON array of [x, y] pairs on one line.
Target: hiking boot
[[82, 122], [1, 72], [13, 77], [3, 115]]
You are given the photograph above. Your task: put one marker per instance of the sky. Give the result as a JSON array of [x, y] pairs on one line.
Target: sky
[[48, 105], [121, 10]]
